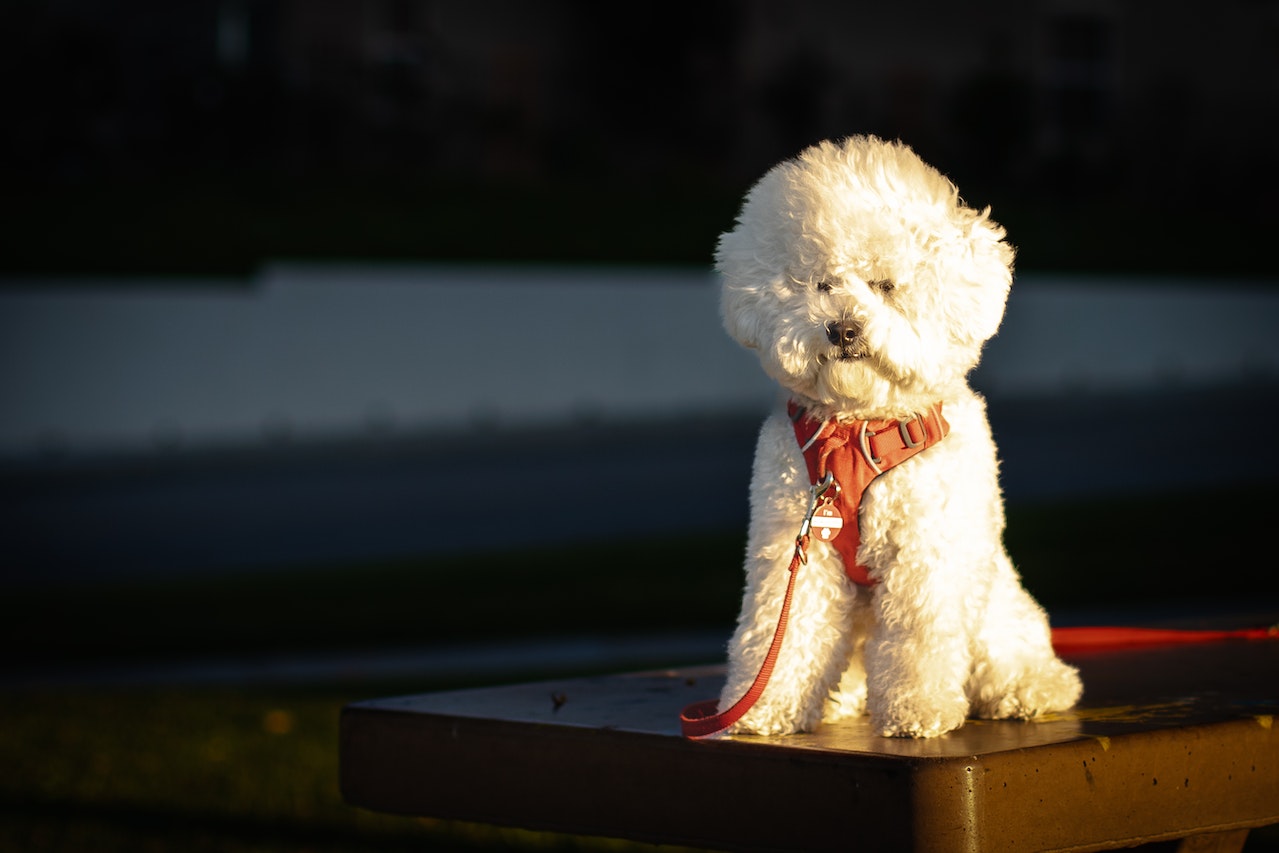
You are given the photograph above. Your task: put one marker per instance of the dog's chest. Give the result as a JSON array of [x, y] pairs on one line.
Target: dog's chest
[[843, 459]]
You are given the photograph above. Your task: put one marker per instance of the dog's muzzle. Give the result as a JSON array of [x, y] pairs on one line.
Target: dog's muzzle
[[847, 335]]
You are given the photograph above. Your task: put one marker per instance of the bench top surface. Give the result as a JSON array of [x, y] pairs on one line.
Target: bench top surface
[[1168, 742]]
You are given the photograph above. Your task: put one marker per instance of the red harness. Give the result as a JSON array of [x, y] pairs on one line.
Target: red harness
[[854, 454]]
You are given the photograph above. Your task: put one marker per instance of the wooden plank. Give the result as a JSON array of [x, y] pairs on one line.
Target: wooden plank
[[1169, 743]]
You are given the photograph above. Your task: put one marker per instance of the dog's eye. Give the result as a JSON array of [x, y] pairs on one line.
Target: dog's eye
[[825, 286], [883, 285]]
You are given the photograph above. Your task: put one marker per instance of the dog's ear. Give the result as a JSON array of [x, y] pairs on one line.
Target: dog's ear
[[739, 293], [738, 308], [989, 274]]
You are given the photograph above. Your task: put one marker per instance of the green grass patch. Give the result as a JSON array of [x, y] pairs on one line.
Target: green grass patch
[[203, 770]]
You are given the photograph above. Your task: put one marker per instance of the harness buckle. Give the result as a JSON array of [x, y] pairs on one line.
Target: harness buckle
[[904, 428]]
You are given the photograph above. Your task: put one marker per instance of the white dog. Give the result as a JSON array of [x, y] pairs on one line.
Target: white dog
[[867, 289]]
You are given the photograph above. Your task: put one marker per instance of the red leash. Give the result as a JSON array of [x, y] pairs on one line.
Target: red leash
[[1067, 641], [703, 718]]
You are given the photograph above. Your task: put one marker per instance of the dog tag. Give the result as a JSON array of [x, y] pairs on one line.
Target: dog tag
[[827, 522]]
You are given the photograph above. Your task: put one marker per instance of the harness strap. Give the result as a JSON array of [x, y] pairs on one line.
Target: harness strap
[[856, 453]]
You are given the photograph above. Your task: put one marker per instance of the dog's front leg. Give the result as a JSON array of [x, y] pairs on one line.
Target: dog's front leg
[[814, 650], [917, 661], [816, 643]]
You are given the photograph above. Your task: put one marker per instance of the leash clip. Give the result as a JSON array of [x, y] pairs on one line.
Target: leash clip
[[815, 495]]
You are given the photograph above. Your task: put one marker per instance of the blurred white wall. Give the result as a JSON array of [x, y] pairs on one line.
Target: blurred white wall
[[1106, 333], [314, 351]]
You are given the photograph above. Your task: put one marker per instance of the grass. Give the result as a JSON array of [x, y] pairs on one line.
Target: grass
[[201, 770], [255, 768]]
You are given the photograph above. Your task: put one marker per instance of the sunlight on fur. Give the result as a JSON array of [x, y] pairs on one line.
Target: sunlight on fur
[[867, 289]]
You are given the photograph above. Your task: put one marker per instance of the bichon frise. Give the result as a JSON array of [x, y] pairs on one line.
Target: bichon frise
[[867, 289]]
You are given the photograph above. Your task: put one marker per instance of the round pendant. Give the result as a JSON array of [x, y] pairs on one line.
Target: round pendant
[[827, 522]]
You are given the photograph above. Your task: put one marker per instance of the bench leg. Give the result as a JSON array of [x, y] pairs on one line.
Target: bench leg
[[1230, 841]]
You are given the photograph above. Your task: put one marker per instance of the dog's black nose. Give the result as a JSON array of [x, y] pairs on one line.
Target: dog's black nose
[[843, 332]]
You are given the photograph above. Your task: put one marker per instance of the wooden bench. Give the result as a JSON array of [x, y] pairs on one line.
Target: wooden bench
[[1170, 743]]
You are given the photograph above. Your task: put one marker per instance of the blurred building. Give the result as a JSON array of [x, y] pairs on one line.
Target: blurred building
[[1055, 95]]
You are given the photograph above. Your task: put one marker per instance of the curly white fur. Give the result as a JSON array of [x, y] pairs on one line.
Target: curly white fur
[[864, 234]]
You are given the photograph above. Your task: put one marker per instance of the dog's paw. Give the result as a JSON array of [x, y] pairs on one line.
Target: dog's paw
[[774, 721], [932, 726], [1054, 686], [919, 717]]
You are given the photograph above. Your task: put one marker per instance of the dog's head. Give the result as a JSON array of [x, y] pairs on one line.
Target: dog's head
[[861, 279]]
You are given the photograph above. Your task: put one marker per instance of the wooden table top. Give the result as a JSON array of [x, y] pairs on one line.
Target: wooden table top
[[1168, 742]]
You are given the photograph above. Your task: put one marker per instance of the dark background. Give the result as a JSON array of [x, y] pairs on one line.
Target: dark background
[[164, 141], [208, 135]]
